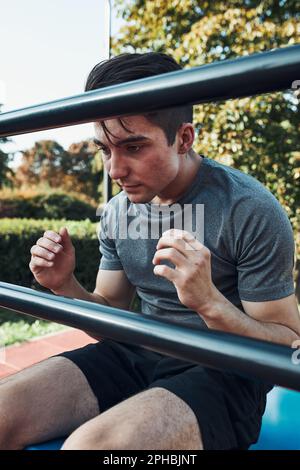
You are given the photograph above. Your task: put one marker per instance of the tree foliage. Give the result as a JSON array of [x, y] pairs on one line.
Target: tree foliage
[[258, 135], [5, 171], [48, 164]]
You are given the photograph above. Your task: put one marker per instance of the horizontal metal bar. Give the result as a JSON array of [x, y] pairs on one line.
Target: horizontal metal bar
[[258, 73], [267, 361]]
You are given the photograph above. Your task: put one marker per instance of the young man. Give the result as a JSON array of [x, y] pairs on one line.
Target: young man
[[235, 277]]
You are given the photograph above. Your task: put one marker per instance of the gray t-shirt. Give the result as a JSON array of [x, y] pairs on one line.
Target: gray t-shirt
[[245, 228]]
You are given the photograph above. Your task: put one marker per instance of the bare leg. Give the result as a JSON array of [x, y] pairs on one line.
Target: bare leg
[[152, 420], [47, 400]]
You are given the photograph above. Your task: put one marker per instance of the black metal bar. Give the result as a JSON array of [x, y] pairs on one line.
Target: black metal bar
[[258, 73], [107, 182], [267, 361], [107, 186]]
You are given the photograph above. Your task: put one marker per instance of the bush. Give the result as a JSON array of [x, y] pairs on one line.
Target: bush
[[54, 205], [19, 235]]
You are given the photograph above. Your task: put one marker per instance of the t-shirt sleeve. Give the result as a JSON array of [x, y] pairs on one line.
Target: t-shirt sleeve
[[107, 245], [265, 251]]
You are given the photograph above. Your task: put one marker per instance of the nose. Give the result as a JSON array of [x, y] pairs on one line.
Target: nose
[[117, 166]]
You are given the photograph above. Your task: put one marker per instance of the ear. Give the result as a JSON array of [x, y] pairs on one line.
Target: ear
[[185, 137]]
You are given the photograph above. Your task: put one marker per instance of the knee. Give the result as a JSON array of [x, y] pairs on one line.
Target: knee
[[77, 441], [80, 440], [101, 438]]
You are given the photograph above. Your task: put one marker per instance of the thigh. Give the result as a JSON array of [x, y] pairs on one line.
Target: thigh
[[47, 400], [228, 406], [115, 371], [154, 419]]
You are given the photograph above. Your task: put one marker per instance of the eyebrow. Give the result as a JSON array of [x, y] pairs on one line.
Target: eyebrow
[[128, 140]]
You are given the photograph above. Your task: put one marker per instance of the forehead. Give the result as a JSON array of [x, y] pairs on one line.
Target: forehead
[[132, 125]]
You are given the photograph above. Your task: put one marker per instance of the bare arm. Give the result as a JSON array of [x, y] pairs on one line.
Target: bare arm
[[112, 288], [53, 263], [277, 321]]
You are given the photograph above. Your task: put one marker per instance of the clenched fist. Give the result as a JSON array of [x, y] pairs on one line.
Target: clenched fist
[[53, 259], [191, 275]]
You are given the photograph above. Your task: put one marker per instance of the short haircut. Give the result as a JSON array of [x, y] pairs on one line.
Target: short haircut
[[128, 67]]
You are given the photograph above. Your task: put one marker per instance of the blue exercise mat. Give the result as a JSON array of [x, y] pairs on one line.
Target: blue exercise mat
[[281, 421], [56, 444]]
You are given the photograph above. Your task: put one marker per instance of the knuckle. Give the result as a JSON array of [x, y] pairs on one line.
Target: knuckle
[[188, 235], [180, 243], [199, 261], [163, 269], [32, 266], [168, 232], [49, 234], [172, 252], [206, 253]]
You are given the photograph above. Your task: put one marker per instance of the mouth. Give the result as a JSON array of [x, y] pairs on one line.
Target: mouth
[[130, 187]]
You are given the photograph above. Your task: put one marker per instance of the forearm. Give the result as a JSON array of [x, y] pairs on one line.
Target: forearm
[[224, 316], [75, 290]]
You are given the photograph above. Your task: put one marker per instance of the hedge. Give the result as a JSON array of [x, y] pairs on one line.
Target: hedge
[[17, 236], [47, 206]]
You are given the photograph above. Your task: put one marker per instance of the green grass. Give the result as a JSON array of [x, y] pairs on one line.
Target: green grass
[[16, 328]]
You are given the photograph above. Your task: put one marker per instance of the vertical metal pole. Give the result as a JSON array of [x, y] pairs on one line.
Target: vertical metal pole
[[107, 183]]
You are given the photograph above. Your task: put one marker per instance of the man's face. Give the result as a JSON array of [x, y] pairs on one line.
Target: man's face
[[140, 161]]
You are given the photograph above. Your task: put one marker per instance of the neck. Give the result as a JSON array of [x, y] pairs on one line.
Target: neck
[[185, 177]]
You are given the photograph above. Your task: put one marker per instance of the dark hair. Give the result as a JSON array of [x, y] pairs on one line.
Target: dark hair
[[128, 67]]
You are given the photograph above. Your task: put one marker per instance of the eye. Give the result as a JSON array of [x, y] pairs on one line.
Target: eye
[[133, 148], [105, 151]]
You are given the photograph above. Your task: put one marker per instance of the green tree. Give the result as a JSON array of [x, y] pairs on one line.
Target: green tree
[[48, 164], [5, 171], [260, 134], [85, 164]]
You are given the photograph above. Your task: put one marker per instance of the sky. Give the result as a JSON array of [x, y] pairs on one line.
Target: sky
[[47, 48]]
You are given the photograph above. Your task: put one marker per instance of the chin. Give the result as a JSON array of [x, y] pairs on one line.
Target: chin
[[139, 198]]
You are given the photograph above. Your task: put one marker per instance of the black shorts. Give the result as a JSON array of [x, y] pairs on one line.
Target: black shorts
[[228, 407]]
